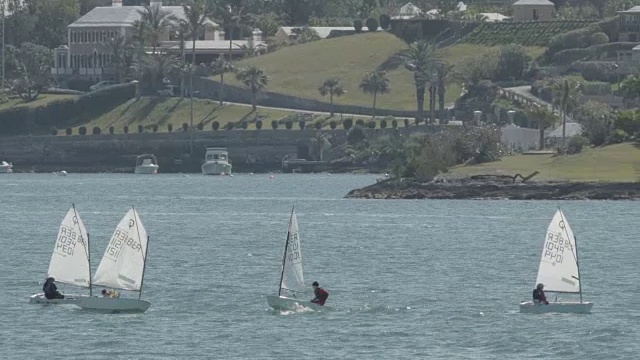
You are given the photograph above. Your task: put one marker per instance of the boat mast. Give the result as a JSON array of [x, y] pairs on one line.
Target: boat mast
[[88, 250], [136, 218], [575, 241], [284, 257]]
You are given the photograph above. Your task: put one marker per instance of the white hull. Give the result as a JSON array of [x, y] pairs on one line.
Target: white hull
[[41, 299], [6, 169], [146, 169], [105, 304], [285, 303], [529, 307], [216, 168]]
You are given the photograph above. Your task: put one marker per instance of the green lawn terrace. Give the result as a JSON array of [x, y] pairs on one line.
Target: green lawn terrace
[[532, 33]]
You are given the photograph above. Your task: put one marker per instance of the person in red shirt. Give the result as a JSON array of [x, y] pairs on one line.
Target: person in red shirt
[[538, 295], [321, 294]]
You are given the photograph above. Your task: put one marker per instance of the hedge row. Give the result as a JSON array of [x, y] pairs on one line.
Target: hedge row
[[609, 50], [63, 113], [531, 33]]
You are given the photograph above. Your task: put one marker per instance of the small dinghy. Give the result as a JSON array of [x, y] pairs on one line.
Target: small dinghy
[[559, 270], [291, 277], [70, 262], [122, 267]]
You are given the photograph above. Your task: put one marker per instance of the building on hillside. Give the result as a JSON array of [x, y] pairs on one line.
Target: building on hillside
[[533, 10], [555, 137], [629, 25], [520, 139], [494, 17], [88, 54], [286, 33], [408, 11]]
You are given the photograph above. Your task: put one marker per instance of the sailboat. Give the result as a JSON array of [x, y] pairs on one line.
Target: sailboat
[[70, 262], [122, 267], [291, 277], [559, 270]]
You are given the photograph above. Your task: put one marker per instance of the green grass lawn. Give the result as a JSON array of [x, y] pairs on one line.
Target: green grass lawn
[[40, 101], [299, 70], [614, 163]]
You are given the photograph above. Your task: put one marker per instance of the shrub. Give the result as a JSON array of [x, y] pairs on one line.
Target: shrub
[[126, 129], [140, 129], [82, 130], [394, 123], [383, 124], [628, 121], [347, 123], [96, 130], [54, 131], [598, 38], [576, 143], [274, 124], [215, 125], [244, 125], [112, 130], [357, 24], [385, 21], [566, 57], [372, 24], [333, 124], [599, 71], [288, 124], [301, 124], [185, 126], [68, 131], [360, 122], [229, 126], [372, 124], [259, 124], [355, 135], [154, 128], [200, 126], [406, 123], [169, 127], [318, 125], [596, 88]]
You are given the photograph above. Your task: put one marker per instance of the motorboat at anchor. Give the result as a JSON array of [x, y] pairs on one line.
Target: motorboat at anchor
[[146, 164], [6, 168], [216, 162]]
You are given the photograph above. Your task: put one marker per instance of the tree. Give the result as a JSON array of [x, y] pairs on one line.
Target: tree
[[156, 20], [565, 97], [332, 87], [385, 21], [544, 117], [513, 62], [357, 25], [421, 59], [268, 24], [630, 87], [157, 67], [372, 24], [232, 17], [182, 32], [53, 17], [375, 83], [29, 69], [595, 119], [600, 6], [443, 71], [255, 79], [305, 34], [195, 13], [221, 67], [121, 50]]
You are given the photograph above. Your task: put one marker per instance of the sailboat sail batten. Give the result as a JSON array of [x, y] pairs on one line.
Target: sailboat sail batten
[[69, 263], [122, 265], [292, 275], [558, 269]]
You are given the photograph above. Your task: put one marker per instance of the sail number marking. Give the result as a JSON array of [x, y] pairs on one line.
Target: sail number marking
[[554, 247], [294, 248], [66, 243], [120, 239]]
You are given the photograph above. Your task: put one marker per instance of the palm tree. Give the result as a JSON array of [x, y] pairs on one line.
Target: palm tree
[[159, 66], [121, 50], [332, 87], [565, 97], [255, 79], [140, 30], [375, 83], [444, 71], [195, 13], [156, 20], [232, 17], [182, 33], [545, 118], [221, 67], [421, 59]]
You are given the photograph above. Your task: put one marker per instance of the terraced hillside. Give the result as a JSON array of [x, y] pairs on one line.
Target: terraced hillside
[[534, 33]]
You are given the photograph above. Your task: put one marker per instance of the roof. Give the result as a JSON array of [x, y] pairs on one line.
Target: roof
[[109, 16], [323, 31], [534, 2], [633, 10], [572, 129], [202, 45], [494, 17]]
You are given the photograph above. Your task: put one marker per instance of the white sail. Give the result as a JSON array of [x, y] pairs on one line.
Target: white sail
[[122, 265], [292, 278], [70, 260], [559, 265]]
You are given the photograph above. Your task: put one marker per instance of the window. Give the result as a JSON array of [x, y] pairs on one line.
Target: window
[[633, 37], [535, 14]]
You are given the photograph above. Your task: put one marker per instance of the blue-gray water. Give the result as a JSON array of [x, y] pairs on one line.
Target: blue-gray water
[[408, 279]]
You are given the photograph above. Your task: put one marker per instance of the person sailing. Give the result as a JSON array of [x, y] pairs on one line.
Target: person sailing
[[538, 295], [321, 295], [51, 290], [110, 293]]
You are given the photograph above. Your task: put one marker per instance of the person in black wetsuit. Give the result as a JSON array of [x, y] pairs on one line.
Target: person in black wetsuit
[[50, 289], [538, 295]]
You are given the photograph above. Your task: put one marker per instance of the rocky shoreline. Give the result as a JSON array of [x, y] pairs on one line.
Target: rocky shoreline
[[473, 189]]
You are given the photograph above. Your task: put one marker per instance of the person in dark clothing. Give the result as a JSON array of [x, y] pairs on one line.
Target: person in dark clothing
[[538, 295], [50, 289], [321, 294]]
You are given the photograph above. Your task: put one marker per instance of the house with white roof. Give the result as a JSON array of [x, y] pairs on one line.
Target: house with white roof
[[533, 10], [408, 11], [286, 33], [629, 25], [87, 53]]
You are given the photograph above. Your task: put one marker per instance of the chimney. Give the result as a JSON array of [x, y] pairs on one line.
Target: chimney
[[153, 3], [116, 3]]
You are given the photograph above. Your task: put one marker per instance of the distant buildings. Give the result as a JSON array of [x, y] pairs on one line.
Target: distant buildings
[[629, 25], [533, 10], [286, 33]]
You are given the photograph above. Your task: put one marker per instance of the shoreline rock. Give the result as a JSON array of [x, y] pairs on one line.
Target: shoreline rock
[[469, 189]]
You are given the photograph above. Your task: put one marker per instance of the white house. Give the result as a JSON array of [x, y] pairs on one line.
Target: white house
[[286, 33], [408, 11]]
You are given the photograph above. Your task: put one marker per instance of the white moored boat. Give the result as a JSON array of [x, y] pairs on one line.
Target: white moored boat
[[146, 164], [6, 168], [559, 270], [291, 278], [70, 262], [216, 162], [122, 267]]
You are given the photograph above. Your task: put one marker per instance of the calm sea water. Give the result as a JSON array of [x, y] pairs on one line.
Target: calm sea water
[[408, 279]]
